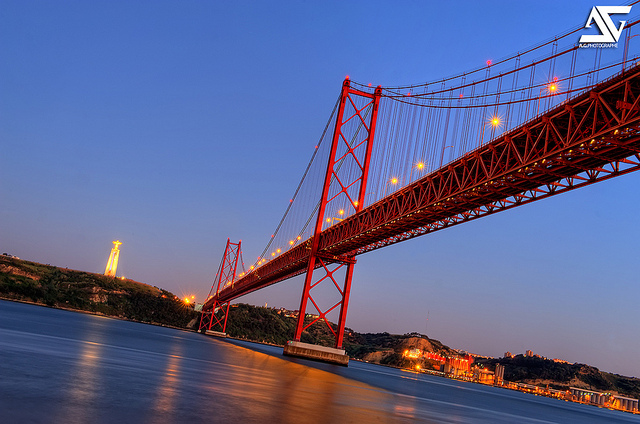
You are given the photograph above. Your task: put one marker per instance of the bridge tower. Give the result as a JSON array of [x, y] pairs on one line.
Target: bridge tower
[[112, 263], [215, 319], [352, 141]]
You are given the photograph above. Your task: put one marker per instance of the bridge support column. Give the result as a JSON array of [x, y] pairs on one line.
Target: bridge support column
[[214, 318], [353, 141]]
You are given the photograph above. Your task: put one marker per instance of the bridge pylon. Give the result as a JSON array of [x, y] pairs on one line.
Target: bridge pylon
[[345, 192], [214, 320]]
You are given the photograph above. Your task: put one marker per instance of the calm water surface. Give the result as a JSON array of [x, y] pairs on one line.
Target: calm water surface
[[65, 367]]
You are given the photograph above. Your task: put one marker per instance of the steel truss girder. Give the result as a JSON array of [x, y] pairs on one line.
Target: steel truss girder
[[589, 138], [575, 144]]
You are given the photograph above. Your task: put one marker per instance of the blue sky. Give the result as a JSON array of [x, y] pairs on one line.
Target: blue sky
[[174, 125]]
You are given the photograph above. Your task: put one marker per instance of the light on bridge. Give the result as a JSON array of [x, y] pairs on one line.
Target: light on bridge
[[553, 87], [394, 180], [495, 121]]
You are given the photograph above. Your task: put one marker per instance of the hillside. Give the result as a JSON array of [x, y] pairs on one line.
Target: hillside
[[85, 291], [268, 325], [560, 375]]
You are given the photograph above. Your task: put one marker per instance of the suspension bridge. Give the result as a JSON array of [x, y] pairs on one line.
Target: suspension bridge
[[394, 163]]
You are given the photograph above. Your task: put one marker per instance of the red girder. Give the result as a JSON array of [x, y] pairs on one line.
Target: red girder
[[585, 140]]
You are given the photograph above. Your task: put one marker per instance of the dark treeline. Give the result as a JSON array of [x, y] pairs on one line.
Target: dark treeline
[[65, 288]]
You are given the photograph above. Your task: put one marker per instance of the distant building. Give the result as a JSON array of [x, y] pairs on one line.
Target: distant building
[[508, 355], [412, 353], [499, 374], [457, 365], [483, 376], [604, 399], [528, 354], [624, 403]]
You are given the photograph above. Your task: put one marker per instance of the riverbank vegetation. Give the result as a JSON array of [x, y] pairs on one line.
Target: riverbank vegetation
[[77, 290]]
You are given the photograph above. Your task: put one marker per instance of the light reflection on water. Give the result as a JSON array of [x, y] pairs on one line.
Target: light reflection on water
[[63, 367], [84, 386], [167, 391], [270, 389]]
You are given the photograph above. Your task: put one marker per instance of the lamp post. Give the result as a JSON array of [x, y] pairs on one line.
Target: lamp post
[[333, 218], [626, 51], [445, 148], [392, 181], [419, 166], [495, 121], [552, 88]]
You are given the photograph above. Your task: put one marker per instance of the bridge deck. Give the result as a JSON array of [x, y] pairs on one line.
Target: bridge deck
[[589, 138]]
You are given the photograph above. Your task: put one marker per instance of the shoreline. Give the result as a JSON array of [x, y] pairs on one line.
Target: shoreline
[[100, 314]]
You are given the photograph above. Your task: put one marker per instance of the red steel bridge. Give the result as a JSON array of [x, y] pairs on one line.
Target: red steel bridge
[[396, 163]]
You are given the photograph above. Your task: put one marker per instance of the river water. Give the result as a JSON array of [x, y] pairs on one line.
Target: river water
[[65, 367]]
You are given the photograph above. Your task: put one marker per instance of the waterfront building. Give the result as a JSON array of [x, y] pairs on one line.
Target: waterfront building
[[624, 403], [499, 374]]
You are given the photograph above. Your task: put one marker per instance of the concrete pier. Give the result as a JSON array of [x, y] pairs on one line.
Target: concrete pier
[[316, 353], [215, 333]]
